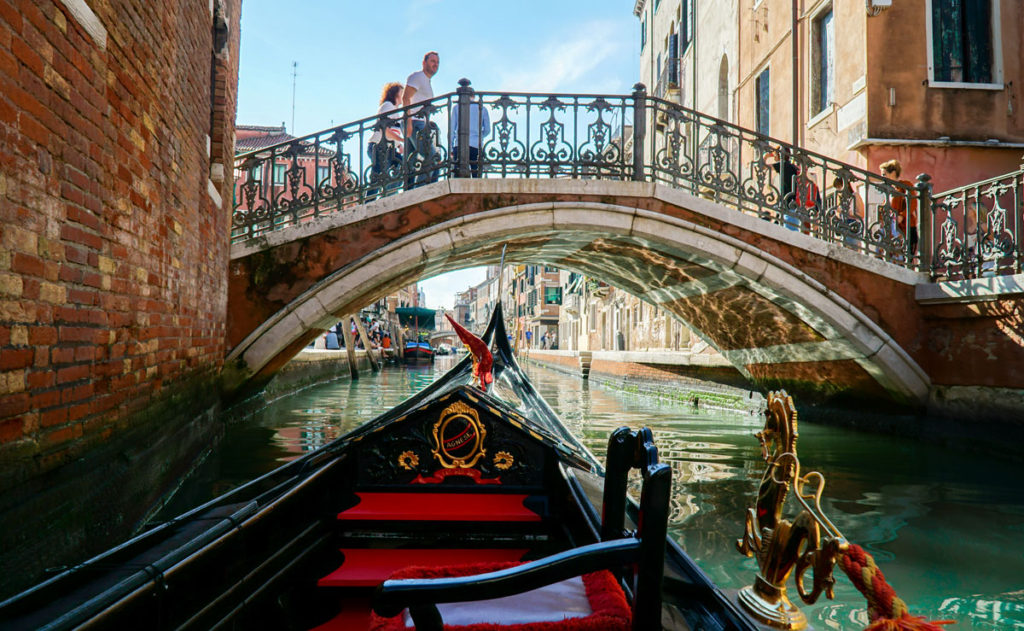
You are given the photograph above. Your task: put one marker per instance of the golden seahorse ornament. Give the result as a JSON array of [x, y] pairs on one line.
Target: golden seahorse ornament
[[782, 545]]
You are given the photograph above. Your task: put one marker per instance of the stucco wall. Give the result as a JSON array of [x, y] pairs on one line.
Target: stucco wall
[[898, 58]]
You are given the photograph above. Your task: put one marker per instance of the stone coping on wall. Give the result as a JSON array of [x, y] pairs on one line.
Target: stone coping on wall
[[971, 290], [663, 357]]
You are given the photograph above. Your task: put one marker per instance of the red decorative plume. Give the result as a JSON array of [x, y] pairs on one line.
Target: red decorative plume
[[482, 360]]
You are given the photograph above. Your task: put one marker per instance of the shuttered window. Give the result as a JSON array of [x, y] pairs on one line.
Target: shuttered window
[[823, 79], [962, 41], [762, 92]]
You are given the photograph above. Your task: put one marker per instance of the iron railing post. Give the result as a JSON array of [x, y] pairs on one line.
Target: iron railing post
[[639, 129], [465, 98], [1018, 217], [925, 221]]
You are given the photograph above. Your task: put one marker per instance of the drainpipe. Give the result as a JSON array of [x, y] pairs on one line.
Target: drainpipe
[[693, 21], [795, 40]]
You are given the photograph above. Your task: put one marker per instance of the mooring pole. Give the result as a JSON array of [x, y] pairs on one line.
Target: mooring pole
[[367, 344], [350, 346]]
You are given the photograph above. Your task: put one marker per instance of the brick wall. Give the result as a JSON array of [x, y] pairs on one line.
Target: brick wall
[[113, 248]]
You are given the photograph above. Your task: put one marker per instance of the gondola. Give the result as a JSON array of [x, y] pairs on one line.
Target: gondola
[[468, 505], [419, 353]]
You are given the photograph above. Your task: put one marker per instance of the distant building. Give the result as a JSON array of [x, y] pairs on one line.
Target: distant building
[[935, 84], [300, 167]]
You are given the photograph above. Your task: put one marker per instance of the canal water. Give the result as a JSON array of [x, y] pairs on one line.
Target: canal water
[[945, 526]]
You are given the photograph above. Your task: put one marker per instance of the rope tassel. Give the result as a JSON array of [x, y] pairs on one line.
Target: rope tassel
[[886, 610]]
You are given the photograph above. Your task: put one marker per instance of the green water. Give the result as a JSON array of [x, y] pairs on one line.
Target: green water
[[945, 527]]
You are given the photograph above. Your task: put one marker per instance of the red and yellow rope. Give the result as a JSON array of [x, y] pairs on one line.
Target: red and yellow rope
[[886, 610]]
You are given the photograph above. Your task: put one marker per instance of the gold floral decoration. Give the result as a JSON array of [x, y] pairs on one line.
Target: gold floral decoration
[[408, 460], [503, 460]]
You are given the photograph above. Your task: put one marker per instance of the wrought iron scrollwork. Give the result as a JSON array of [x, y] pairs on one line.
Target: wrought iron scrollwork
[[505, 149], [718, 170], [973, 230], [671, 157], [551, 151]]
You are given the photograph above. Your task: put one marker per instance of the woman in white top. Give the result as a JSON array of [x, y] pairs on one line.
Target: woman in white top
[[386, 158]]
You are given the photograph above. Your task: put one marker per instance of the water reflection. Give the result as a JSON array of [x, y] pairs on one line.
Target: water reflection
[[946, 527]]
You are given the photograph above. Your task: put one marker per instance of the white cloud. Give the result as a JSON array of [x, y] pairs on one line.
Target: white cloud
[[568, 59], [418, 13]]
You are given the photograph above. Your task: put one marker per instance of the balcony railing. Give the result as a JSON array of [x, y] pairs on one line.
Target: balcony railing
[[614, 137]]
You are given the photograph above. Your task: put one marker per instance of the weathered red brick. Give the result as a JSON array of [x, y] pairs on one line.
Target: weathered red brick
[[13, 404], [62, 355], [41, 379], [72, 373], [78, 235], [60, 435], [11, 429], [76, 254], [27, 264], [14, 358], [44, 398]]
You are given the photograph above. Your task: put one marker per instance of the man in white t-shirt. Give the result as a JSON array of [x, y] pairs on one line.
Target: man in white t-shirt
[[417, 89]]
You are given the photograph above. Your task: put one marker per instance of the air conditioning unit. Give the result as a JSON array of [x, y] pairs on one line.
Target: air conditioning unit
[[874, 7]]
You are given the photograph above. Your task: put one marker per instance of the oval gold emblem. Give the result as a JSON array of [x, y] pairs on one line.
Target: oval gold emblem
[[459, 437]]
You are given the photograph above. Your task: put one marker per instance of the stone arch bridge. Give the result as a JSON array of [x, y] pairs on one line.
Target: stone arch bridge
[[803, 295]]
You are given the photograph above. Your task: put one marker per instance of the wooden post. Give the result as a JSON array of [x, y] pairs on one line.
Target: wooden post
[[350, 346], [367, 345]]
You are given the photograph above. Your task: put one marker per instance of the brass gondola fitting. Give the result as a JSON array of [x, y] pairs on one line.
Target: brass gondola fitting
[[808, 541]]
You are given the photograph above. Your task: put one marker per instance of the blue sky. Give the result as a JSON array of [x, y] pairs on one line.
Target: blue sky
[[346, 50]]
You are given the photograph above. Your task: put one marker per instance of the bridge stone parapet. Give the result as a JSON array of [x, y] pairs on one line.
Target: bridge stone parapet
[[785, 308]]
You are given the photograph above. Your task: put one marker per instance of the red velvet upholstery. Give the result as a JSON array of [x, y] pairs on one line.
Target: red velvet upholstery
[[491, 507], [611, 611], [368, 567], [354, 616]]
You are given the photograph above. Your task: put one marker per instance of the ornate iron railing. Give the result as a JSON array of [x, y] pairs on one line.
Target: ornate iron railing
[[977, 229], [632, 137]]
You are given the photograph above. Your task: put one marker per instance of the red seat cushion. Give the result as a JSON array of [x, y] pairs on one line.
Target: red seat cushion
[[494, 507], [354, 614], [609, 610], [368, 567]]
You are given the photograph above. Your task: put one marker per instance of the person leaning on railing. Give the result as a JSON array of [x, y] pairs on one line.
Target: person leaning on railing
[[479, 127], [386, 157], [848, 208], [419, 89], [892, 170]]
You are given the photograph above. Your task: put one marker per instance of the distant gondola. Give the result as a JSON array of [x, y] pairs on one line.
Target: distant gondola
[[442, 508]]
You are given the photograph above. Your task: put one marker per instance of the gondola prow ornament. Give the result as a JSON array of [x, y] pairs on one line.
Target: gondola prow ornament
[[808, 542], [482, 359]]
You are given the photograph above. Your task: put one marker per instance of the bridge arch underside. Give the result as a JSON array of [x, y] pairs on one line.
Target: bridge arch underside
[[776, 325]]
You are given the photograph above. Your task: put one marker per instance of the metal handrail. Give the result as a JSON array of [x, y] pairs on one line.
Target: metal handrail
[[977, 228], [612, 137]]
